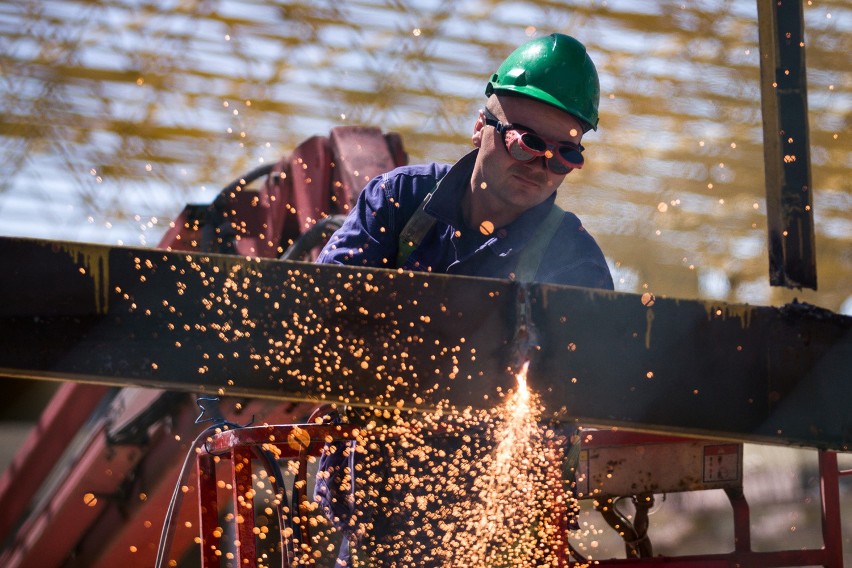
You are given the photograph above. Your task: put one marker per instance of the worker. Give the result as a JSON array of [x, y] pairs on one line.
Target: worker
[[491, 214], [496, 205]]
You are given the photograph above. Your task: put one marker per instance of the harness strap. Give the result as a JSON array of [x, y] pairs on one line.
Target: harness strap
[[533, 253], [414, 231]]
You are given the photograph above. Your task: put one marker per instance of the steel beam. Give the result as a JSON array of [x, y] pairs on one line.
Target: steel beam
[[300, 331], [786, 145]]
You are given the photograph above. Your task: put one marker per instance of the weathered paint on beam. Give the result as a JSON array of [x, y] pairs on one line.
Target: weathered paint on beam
[[299, 331], [786, 145]]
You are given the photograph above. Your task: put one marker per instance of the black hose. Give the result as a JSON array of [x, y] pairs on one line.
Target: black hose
[[313, 237]]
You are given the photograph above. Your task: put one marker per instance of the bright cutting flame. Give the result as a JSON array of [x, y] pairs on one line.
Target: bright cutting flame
[[518, 428]]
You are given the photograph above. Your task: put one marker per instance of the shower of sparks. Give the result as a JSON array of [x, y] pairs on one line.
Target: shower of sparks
[[461, 489], [511, 517], [443, 487], [450, 488]]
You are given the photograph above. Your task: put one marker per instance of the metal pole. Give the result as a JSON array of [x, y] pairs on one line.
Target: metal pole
[[786, 146]]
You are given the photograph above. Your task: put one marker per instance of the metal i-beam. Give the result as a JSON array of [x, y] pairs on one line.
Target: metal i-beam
[[786, 145], [299, 331]]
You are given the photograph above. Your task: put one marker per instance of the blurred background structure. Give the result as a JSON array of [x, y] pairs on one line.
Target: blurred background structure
[[116, 113]]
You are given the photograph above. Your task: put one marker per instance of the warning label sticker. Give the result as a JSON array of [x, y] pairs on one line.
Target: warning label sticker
[[721, 462]]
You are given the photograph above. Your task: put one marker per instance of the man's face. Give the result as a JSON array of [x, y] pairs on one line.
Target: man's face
[[505, 182]]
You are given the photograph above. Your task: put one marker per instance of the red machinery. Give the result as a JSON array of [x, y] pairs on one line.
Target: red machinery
[[611, 465], [617, 464], [90, 484]]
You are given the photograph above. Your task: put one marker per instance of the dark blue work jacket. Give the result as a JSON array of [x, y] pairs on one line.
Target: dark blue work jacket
[[370, 235]]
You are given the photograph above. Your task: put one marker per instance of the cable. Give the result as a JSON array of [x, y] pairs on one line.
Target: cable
[[167, 532], [637, 544], [284, 521], [317, 235]]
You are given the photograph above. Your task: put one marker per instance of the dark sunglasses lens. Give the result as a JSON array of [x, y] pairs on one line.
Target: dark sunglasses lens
[[572, 156], [557, 167], [533, 142], [518, 152]]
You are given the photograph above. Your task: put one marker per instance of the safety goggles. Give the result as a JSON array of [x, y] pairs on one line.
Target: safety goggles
[[524, 145]]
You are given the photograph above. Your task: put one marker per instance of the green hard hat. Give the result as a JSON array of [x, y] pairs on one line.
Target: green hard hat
[[556, 70]]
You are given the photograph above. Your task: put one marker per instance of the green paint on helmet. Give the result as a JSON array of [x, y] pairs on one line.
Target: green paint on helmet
[[556, 70]]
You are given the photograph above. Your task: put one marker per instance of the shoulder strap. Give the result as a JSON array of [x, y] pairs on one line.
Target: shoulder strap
[[532, 254], [421, 222], [412, 234]]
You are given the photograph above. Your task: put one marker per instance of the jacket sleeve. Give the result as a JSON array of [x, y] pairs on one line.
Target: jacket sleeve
[[368, 237], [574, 258], [589, 274]]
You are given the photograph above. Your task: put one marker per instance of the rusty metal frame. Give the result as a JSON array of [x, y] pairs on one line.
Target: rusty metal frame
[[238, 447], [830, 555], [241, 326]]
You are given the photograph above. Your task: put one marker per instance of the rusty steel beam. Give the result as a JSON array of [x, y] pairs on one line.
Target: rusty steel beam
[[786, 145], [299, 331]]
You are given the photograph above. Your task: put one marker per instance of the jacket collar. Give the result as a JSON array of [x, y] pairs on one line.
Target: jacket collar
[[445, 204]]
